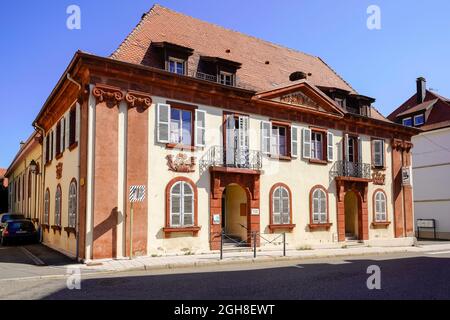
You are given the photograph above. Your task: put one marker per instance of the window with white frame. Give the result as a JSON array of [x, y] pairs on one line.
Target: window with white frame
[[226, 78], [176, 66], [319, 207], [47, 207], [380, 207], [407, 122], [419, 120], [378, 153], [279, 141], [72, 205], [316, 145], [181, 126], [181, 205], [281, 211], [58, 196]]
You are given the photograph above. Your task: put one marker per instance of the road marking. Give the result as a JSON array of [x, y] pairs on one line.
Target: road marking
[[35, 259], [439, 252], [299, 267]]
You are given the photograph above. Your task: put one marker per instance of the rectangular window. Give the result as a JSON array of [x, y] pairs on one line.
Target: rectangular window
[[419, 120], [176, 66], [378, 153], [279, 141], [58, 138], [47, 149], [226, 78], [181, 126], [317, 146], [73, 126], [407, 122]]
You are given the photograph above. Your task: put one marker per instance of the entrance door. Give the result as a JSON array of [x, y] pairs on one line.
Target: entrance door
[[234, 212], [351, 216]]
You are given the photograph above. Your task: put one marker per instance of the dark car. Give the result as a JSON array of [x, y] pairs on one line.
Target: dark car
[[19, 231], [5, 217]]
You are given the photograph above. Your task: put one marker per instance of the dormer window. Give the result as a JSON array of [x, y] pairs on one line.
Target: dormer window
[[340, 102], [407, 122], [226, 78], [176, 66], [419, 120]]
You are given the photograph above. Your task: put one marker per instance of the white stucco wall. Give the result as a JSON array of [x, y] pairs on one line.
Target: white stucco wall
[[431, 174]]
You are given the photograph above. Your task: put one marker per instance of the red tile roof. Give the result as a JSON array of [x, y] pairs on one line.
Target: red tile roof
[[420, 107], [2, 172], [161, 24]]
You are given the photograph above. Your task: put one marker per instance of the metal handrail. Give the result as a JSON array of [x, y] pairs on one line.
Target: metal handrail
[[351, 169], [217, 156]]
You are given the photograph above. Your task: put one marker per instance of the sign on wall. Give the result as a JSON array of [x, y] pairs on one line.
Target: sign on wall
[[137, 193], [406, 176]]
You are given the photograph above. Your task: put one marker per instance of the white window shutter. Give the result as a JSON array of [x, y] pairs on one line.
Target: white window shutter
[[53, 146], [45, 150], [265, 137], [307, 143], [330, 144], [200, 128], [360, 158], [294, 142], [244, 143], [61, 134], [163, 125], [67, 117], [77, 121], [382, 153]]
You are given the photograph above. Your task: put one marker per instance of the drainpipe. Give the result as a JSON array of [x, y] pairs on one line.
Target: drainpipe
[[37, 127], [77, 250]]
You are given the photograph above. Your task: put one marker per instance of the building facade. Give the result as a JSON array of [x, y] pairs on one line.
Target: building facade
[[431, 171], [228, 134], [25, 179]]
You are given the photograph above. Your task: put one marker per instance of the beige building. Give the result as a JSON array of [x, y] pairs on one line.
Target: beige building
[[228, 134]]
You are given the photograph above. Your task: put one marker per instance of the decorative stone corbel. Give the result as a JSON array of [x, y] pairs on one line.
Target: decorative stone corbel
[[138, 99], [109, 94]]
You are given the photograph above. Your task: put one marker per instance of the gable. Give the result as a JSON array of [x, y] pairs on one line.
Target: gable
[[302, 95]]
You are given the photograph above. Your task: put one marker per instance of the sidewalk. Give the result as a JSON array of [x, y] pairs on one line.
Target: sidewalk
[[246, 258]]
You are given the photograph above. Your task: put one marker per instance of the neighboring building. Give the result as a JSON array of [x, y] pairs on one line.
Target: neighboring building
[[3, 192], [227, 133], [431, 157], [25, 179]]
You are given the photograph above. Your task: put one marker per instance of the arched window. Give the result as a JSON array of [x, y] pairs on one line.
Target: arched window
[[181, 205], [281, 205], [58, 206], [319, 206], [47, 207], [380, 206], [72, 204]]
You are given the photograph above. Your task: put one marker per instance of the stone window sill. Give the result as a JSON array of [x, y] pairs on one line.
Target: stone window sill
[[56, 228], [381, 224], [281, 158], [59, 156], [274, 227], [319, 226], [45, 227], [73, 146], [194, 230], [182, 147], [317, 161], [70, 230]]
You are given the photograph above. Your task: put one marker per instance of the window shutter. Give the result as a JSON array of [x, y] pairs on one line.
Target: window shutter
[[230, 139], [163, 118], [265, 137], [61, 135], [200, 128], [360, 158], [330, 144], [347, 148], [307, 143], [243, 133], [67, 121], [294, 142], [377, 153], [77, 123], [45, 150]]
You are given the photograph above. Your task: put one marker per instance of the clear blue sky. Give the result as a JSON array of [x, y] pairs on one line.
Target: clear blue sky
[[414, 40]]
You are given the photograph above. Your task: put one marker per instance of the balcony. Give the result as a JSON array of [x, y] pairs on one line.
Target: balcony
[[231, 158], [349, 169]]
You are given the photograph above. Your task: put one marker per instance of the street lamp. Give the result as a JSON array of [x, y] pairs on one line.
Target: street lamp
[[34, 167]]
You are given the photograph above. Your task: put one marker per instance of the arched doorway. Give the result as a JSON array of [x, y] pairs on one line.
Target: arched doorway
[[235, 212], [352, 223]]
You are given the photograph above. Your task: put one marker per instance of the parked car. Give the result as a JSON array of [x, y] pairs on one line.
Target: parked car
[[19, 231], [5, 217]]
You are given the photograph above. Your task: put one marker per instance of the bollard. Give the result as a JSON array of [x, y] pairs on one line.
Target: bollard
[[254, 245]]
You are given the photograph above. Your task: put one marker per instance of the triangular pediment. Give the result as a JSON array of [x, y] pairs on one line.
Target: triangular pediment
[[303, 95]]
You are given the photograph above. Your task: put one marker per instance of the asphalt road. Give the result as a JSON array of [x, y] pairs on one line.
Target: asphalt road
[[405, 276]]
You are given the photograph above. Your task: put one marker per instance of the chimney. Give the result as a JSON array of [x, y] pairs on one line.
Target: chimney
[[421, 89]]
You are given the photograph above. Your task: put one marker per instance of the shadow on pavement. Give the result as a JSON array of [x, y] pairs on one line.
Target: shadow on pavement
[[407, 278]]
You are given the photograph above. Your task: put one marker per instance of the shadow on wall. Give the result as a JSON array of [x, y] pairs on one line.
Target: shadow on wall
[[108, 226]]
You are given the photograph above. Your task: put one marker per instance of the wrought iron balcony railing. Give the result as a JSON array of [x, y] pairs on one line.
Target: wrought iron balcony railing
[[351, 169], [231, 158]]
